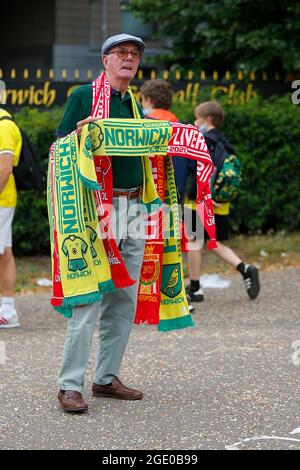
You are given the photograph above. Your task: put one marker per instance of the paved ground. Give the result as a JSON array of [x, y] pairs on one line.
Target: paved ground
[[234, 378]]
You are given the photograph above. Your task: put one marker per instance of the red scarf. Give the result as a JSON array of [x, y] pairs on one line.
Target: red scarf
[[193, 145], [181, 143], [103, 197]]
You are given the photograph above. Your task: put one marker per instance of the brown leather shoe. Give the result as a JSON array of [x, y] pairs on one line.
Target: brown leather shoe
[[116, 390], [72, 400]]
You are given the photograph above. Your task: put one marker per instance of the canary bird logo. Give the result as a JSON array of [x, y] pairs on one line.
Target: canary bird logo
[[171, 280], [97, 137]]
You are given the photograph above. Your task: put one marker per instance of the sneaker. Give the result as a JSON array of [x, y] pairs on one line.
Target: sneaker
[[191, 308], [9, 322], [251, 280], [196, 296]]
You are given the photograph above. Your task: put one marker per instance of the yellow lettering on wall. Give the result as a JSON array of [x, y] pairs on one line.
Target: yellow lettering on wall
[[36, 100], [17, 97], [218, 89], [188, 91], [250, 93], [31, 94], [45, 96], [195, 93], [48, 95], [235, 95], [231, 90], [180, 94]]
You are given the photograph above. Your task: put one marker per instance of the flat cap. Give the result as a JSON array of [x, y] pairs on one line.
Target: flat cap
[[119, 38]]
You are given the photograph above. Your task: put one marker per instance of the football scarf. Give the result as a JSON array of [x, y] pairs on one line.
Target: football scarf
[[159, 301], [78, 255], [80, 268], [162, 297]]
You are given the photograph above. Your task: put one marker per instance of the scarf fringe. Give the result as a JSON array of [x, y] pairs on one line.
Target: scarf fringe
[[89, 184], [148, 205], [176, 323], [146, 316], [125, 282], [77, 301], [107, 287], [65, 311]]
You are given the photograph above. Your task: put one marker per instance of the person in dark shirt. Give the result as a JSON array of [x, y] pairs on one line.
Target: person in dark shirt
[[209, 118]]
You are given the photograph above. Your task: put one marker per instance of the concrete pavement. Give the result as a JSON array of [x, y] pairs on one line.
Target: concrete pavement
[[231, 382]]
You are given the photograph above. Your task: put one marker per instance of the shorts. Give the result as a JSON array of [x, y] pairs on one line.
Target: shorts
[[194, 227], [6, 218], [77, 264], [222, 228]]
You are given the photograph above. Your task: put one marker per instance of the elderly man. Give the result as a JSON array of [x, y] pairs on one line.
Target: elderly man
[[121, 55]]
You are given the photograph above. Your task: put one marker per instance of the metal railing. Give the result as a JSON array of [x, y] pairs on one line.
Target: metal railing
[[89, 74]]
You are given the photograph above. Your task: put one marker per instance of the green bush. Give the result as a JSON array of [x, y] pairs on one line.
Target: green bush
[[40, 127], [267, 138], [266, 135]]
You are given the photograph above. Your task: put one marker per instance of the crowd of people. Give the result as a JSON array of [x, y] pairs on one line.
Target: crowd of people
[[121, 56]]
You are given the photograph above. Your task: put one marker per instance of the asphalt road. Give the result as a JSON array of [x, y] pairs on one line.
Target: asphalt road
[[231, 382]]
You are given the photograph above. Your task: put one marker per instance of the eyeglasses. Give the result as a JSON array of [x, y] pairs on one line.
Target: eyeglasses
[[124, 53]]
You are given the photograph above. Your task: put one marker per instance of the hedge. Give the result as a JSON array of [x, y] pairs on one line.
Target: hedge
[[266, 135]]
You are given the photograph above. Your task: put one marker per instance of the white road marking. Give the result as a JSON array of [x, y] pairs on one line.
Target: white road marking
[[261, 438], [295, 431]]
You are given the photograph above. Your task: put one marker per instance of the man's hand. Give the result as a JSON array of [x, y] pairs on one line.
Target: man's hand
[[80, 124], [6, 167]]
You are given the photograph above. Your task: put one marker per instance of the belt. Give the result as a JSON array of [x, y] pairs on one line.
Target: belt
[[130, 194]]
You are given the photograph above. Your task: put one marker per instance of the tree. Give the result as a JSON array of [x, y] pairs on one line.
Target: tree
[[227, 34]]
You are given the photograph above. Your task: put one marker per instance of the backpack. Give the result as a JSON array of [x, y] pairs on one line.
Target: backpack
[[28, 173], [226, 179]]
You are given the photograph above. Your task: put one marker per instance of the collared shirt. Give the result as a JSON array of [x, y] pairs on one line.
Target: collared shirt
[[127, 171], [10, 143]]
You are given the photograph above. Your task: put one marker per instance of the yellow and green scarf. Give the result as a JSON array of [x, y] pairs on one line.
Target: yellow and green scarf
[[81, 272]]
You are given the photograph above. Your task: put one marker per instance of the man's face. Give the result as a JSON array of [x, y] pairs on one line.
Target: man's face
[[119, 67]]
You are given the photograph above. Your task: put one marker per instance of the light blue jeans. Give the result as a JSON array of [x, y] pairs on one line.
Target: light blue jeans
[[116, 311]]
